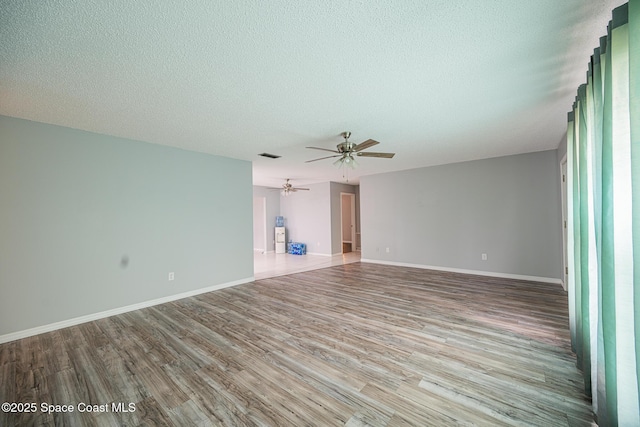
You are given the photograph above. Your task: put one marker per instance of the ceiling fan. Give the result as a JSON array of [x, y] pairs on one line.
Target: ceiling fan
[[288, 188], [347, 150]]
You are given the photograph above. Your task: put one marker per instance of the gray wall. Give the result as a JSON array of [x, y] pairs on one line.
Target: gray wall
[[259, 224], [307, 216], [336, 214], [74, 204], [562, 148], [272, 198], [447, 216]]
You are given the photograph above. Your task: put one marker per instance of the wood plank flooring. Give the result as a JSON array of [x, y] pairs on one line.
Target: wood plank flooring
[[355, 345]]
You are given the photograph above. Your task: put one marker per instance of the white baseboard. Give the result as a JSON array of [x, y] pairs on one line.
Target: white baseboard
[[108, 313], [464, 271]]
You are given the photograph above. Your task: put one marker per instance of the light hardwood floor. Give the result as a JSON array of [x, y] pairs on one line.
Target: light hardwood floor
[[357, 344], [273, 265]]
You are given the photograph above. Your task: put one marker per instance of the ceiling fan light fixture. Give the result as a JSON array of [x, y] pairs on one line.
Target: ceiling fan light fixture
[[347, 150], [346, 160], [288, 188], [352, 163]]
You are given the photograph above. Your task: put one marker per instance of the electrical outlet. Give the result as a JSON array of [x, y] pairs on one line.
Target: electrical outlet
[[484, 257], [172, 276], [387, 250]]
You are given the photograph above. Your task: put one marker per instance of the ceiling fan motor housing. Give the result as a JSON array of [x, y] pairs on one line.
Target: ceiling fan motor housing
[[346, 147]]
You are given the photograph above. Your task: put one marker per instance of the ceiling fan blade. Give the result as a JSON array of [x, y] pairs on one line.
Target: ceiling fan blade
[[322, 158], [366, 144], [383, 155], [300, 189], [323, 149]]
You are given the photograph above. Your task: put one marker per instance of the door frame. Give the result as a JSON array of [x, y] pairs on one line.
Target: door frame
[[352, 209], [563, 202]]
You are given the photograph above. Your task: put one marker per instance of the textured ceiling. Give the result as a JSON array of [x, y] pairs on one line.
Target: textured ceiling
[[436, 81]]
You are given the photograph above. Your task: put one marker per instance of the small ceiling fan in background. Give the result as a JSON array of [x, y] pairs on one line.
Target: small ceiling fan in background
[[288, 188], [348, 150]]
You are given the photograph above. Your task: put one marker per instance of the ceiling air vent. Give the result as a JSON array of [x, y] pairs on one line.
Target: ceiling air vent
[[269, 156]]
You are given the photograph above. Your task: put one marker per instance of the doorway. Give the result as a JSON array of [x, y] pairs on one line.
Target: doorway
[[348, 226]]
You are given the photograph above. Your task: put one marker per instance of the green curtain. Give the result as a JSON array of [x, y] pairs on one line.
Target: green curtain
[[571, 274], [603, 157], [634, 112], [608, 305], [599, 389]]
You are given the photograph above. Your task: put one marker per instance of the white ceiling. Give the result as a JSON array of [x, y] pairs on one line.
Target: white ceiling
[[436, 81]]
